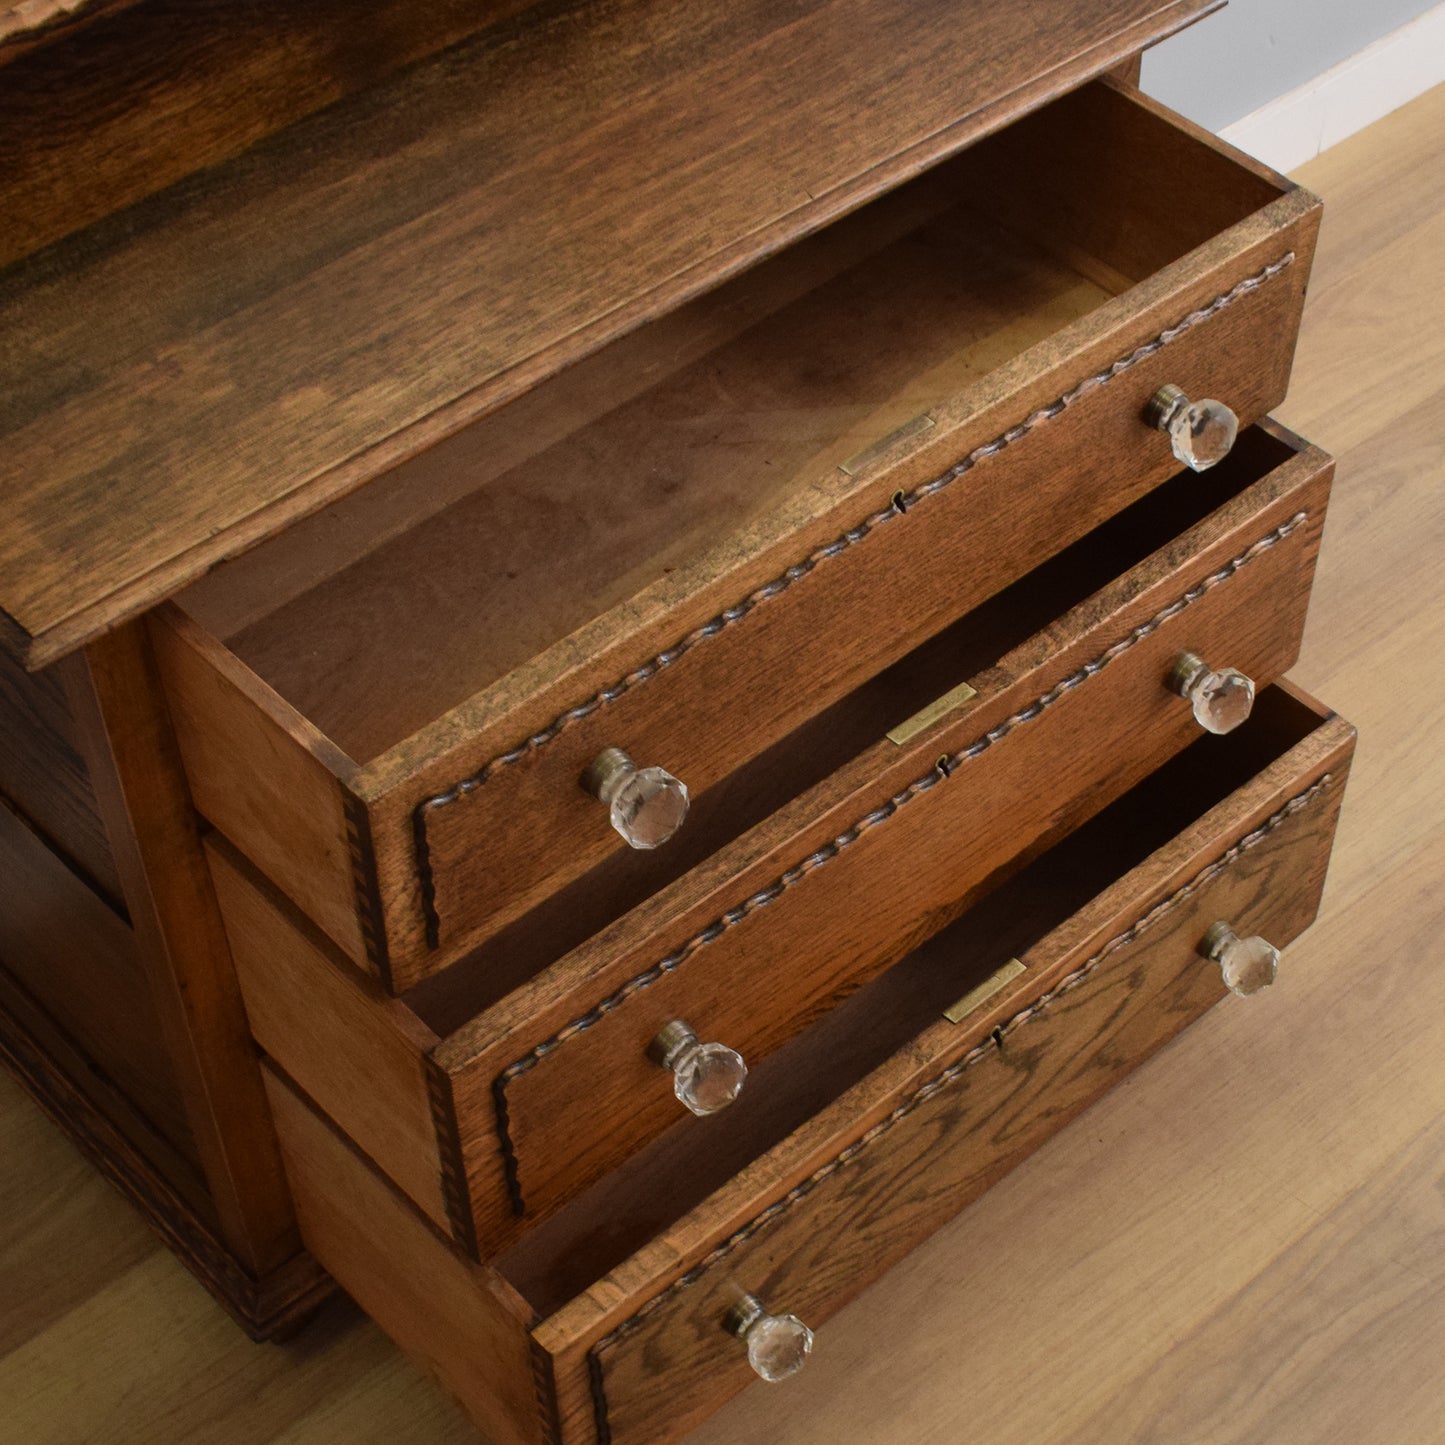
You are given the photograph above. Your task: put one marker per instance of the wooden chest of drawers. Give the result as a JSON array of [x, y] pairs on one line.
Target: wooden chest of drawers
[[887, 538]]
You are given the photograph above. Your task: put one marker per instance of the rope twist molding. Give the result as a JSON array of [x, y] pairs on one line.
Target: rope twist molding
[[946, 768]]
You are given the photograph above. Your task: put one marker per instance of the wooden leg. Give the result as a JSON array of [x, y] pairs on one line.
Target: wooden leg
[[125, 734]]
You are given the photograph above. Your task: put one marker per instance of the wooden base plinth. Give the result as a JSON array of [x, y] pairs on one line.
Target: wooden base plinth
[[269, 1307]]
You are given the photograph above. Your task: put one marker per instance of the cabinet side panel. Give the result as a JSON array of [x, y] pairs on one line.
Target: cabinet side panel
[[449, 1314], [43, 775], [125, 733], [78, 962]]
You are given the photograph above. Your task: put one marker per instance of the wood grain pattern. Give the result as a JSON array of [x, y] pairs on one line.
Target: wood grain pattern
[[128, 104], [27, 24], [948, 551], [263, 774], [440, 876], [596, 179], [164, 1186], [115, 695], [1090, 938], [66, 1235], [43, 776], [460, 1319], [560, 1258], [1359, 1305], [860, 876], [705, 739], [835, 344], [701, 425], [80, 963], [1223, 1186], [356, 1052], [1266, 1133], [1120, 977], [362, 1057], [968, 1124]]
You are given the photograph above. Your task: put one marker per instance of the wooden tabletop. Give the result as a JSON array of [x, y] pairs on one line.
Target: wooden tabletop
[[193, 373], [1243, 1243]]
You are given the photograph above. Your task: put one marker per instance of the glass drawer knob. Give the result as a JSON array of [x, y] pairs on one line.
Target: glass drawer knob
[[646, 805], [1221, 700], [1200, 432], [778, 1345], [1248, 964], [705, 1077]]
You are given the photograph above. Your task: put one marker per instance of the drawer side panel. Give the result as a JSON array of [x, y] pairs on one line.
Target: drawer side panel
[[358, 1053], [268, 781], [456, 1318]]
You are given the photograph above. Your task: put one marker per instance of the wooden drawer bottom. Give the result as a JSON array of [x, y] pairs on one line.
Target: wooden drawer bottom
[[867, 1132]]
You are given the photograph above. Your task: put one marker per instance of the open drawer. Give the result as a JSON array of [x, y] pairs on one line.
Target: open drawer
[[497, 1091], [689, 544], [609, 1322]]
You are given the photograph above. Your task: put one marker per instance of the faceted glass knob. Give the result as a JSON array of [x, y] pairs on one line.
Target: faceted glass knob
[[646, 805], [1248, 964], [1221, 700], [705, 1077], [778, 1345], [1200, 432]]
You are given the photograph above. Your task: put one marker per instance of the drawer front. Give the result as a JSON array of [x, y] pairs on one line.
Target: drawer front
[[1097, 997], [419, 856], [833, 890], [925, 540]]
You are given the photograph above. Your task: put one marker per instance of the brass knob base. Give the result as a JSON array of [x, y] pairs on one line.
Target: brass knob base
[[1162, 406], [609, 768]]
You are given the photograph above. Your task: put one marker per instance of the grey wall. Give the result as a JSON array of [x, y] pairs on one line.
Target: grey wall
[[1254, 50]]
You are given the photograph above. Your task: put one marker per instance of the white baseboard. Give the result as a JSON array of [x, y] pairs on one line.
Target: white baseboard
[[1382, 77]]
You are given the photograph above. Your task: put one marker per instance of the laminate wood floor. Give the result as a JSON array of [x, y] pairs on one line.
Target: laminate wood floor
[[1243, 1243]]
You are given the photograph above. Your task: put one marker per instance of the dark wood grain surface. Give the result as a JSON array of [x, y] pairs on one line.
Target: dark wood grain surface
[[79, 961], [44, 777], [199, 371], [116, 100], [26, 25]]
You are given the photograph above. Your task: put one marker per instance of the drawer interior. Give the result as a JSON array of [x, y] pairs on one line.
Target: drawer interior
[[562, 1255], [378, 615], [961, 651]]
